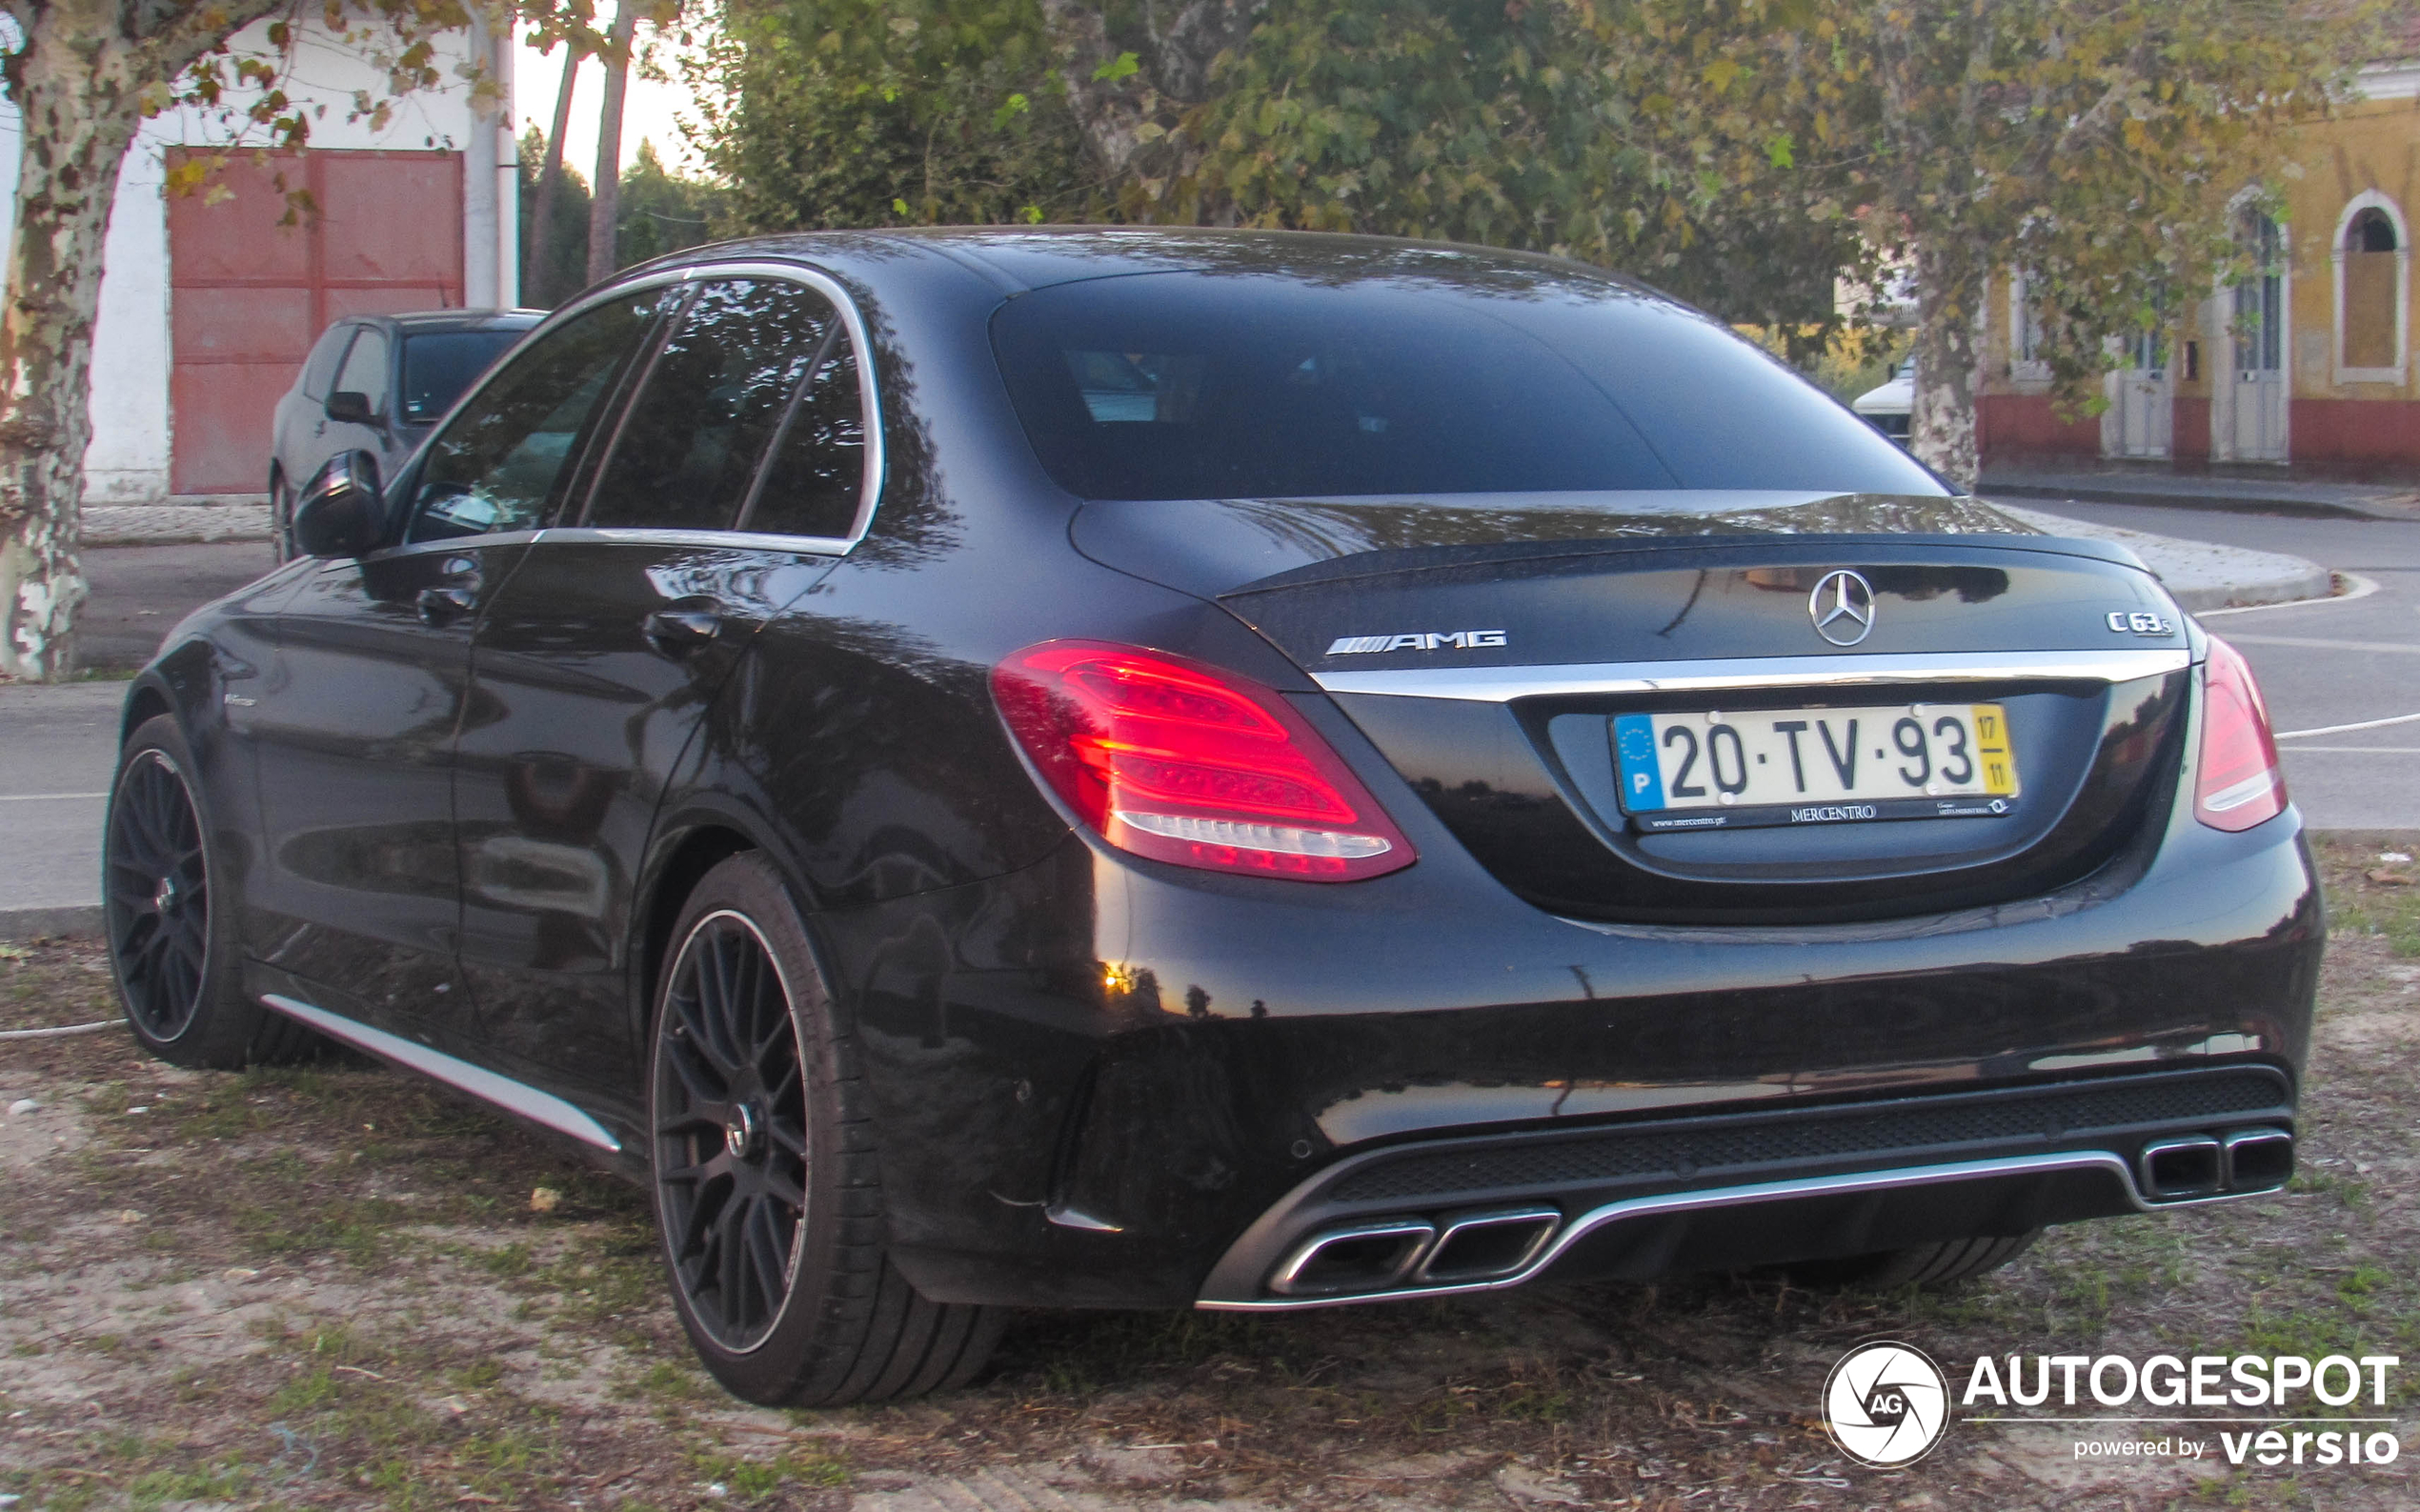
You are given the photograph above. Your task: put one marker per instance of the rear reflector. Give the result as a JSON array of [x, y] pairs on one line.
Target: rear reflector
[[1181, 762], [2239, 784]]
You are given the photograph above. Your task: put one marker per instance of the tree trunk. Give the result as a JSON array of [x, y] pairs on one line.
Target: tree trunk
[[79, 112], [538, 283], [604, 211], [1949, 306]]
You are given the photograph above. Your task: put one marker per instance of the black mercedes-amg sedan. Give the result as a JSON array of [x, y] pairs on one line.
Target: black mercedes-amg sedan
[[1100, 768]]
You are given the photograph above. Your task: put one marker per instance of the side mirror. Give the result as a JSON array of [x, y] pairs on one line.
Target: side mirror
[[340, 514], [350, 408]]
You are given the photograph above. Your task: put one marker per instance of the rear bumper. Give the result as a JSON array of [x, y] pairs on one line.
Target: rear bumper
[[1640, 1199], [1098, 1082]]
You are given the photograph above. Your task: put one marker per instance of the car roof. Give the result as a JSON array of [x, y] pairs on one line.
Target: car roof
[[1017, 259]]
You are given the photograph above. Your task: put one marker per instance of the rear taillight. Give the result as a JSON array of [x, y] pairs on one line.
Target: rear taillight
[[1181, 762], [2240, 786]]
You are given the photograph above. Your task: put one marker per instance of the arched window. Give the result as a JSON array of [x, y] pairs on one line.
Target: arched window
[[2373, 256]]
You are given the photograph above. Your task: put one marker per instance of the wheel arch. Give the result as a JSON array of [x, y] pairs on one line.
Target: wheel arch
[[145, 701]]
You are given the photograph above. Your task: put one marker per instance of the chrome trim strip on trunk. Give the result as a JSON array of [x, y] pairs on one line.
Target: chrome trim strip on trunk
[[512, 1097], [1504, 684], [1597, 1217]]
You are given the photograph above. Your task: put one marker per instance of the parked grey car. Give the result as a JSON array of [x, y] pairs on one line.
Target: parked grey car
[[376, 384]]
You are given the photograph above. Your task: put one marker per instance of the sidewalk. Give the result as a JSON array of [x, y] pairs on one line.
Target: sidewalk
[[2238, 489], [160, 524]]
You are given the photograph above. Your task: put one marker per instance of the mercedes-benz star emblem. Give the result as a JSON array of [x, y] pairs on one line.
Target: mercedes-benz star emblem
[[1842, 607], [1886, 1405]]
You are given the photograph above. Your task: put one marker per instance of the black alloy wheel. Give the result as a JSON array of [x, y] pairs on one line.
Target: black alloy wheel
[[767, 1190], [157, 879], [731, 1137], [169, 921]]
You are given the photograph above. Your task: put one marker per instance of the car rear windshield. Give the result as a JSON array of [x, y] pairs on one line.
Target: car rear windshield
[[437, 367], [1219, 385]]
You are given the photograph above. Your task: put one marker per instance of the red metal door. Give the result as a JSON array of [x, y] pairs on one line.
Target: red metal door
[[247, 296]]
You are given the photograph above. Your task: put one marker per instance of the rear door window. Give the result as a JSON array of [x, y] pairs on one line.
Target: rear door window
[[815, 483], [688, 453], [366, 369], [503, 461]]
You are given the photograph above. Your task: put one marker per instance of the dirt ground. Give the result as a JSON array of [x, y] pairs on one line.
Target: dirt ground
[[335, 1287]]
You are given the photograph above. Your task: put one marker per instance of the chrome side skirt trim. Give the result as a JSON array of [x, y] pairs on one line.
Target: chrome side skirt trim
[[1504, 684], [1733, 1197], [512, 1097]]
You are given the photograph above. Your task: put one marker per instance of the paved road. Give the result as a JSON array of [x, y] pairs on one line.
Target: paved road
[[2325, 665], [57, 744]]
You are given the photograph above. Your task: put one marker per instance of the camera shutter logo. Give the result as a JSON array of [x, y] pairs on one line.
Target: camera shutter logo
[[1886, 1405]]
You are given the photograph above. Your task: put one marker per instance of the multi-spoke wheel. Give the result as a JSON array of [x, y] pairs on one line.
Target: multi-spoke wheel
[[159, 894], [765, 1186], [731, 1131], [170, 943]]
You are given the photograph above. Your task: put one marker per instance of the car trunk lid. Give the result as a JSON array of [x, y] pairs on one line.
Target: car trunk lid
[[1494, 650]]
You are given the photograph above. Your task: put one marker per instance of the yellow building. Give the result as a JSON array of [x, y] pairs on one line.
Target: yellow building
[[2309, 363]]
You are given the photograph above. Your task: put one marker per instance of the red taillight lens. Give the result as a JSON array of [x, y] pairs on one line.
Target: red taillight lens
[[1180, 762], [2239, 784]]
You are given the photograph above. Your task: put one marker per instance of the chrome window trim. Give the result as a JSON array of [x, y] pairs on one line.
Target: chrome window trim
[[868, 395], [727, 540], [520, 1097], [1596, 1218], [1505, 684]]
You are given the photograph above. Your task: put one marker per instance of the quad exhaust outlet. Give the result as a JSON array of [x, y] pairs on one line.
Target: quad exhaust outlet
[[2256, 1159], [1483, 1245]]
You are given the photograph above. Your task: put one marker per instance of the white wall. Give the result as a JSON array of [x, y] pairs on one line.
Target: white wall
[[129, 459]]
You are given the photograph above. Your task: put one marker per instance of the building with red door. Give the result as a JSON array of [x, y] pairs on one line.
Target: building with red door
[[2309, 362], [209, 303]]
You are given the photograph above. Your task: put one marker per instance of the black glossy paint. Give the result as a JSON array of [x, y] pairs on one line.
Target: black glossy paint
[[1090, 1072]]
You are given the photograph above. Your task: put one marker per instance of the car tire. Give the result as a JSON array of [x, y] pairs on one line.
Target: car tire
[[1940, 1265], [281, 516], [170, 931], [767, 1192]]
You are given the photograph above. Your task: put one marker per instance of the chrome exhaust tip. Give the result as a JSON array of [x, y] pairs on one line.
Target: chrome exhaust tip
[[2259, 1159], [1356, 1258], [1487, 1246], [2191, 1167]]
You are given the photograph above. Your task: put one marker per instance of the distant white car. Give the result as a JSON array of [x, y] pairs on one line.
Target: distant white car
[[1887, 409]]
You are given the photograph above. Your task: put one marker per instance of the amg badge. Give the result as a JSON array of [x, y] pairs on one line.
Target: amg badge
[[1459, 639]]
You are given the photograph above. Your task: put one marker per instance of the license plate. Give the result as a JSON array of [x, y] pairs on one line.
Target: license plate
[[1721, 770]]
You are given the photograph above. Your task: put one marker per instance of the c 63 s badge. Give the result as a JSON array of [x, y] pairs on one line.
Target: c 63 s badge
[[1425, 640], [2136, 622]]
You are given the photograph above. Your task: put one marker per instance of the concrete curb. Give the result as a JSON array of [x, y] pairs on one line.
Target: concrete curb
[[34, 923], [2244, 503], [2200, 576]]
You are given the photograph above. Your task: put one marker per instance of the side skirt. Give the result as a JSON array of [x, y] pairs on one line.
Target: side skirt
[[519, 1098]]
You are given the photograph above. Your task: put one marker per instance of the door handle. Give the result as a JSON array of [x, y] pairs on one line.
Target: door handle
[[439, 606], [675, 631]]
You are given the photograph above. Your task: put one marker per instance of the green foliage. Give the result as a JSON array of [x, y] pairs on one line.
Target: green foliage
[[2094, 144], [884, 113], [660, 211], [562, 267], [1546, 126]]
